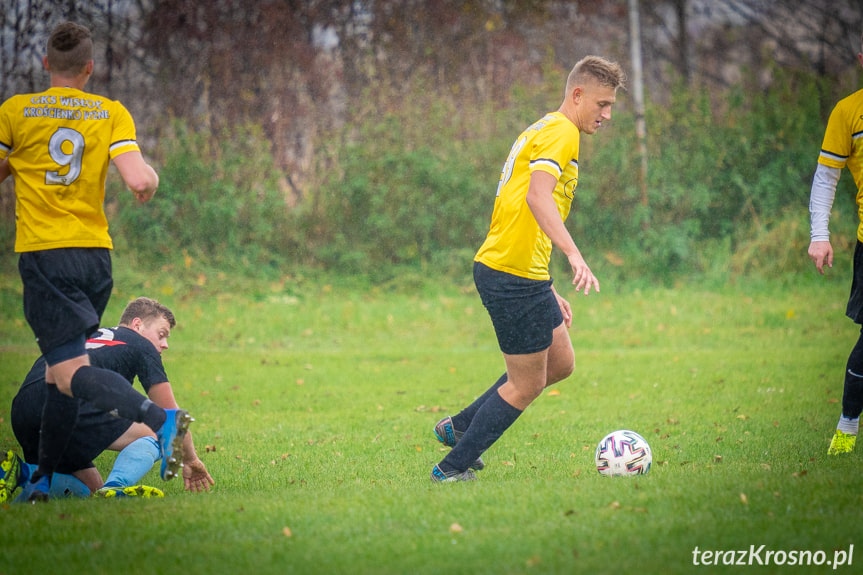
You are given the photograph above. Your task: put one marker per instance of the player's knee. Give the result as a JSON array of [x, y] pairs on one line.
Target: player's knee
[[560, 372]]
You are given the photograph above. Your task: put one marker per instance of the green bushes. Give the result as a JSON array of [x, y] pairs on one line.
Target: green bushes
[[218, 200], [728, 187], [724, 171]]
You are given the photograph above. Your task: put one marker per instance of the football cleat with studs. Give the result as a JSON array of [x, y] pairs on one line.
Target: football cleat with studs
[[10, 475], [133, 491], [449, 436], [438, 476], [842, 443], [170, 438], [35, 492]]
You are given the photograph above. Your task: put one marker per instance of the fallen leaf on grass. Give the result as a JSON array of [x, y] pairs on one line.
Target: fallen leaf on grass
[[613, 258], [287, 531], [554, 392], [456, 528], [744, 499]]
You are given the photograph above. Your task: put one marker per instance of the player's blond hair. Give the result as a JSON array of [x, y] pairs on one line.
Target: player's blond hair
[[146, 310], [70, 48], [597, 68]]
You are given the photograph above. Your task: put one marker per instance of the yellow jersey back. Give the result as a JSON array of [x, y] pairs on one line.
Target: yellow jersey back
[[59, 143], [515, 243]]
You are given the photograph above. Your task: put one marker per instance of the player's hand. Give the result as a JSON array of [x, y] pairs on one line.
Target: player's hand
[[144, 197], [565, 309], [196, 478], [582, 277], [821, 253]]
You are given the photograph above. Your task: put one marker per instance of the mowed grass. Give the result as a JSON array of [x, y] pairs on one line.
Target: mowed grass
[[314, 406]]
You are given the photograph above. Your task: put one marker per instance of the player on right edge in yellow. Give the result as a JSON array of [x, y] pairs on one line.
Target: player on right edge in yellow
[[842, 147]]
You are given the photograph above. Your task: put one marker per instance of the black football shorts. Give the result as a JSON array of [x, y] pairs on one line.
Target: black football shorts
[[66, 291], [524, 311]]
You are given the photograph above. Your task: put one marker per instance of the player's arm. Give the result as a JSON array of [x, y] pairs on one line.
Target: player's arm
[[820, 203], [540, 200], [195, 474], [139, 176], [5, 170]]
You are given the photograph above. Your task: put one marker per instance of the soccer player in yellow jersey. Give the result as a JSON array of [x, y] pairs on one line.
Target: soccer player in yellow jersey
[[842, 147], [57, 144], [530, 318]]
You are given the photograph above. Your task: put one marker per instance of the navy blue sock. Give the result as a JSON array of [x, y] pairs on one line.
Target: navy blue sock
[[464, 418], [491, 420], [852, 396], [59, 417], [110, 392]]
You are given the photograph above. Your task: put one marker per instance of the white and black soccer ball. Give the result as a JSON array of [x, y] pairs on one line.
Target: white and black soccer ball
[[623, 452]]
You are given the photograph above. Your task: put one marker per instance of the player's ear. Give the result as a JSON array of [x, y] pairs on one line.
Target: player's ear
[[45, 64]]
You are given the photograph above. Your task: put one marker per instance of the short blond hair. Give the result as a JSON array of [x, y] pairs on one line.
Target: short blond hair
[[146, 310], [605, 72], [70, 48]]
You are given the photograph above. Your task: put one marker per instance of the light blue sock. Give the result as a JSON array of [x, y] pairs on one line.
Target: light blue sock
[[133, 463], [62, 485]]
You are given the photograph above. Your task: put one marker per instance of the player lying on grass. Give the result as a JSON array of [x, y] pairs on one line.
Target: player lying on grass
[[132, 349]]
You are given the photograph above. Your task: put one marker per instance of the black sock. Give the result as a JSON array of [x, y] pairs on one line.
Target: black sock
[[111, 393], [491, 420], [464, 418], [59, 417], [852, 396]]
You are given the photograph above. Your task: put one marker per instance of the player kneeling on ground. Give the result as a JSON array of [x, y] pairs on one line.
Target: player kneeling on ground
[[133, 350]]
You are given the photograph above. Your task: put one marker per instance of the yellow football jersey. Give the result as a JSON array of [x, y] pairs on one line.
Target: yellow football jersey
[[515, 243], [59, 143], [843, 144]]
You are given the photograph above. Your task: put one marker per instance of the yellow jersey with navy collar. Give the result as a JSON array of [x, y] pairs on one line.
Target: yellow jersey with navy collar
[[59, 143], [843, 144], [515, 243]]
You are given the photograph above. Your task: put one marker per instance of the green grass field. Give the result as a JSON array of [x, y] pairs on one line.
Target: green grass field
[[315, 406]]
